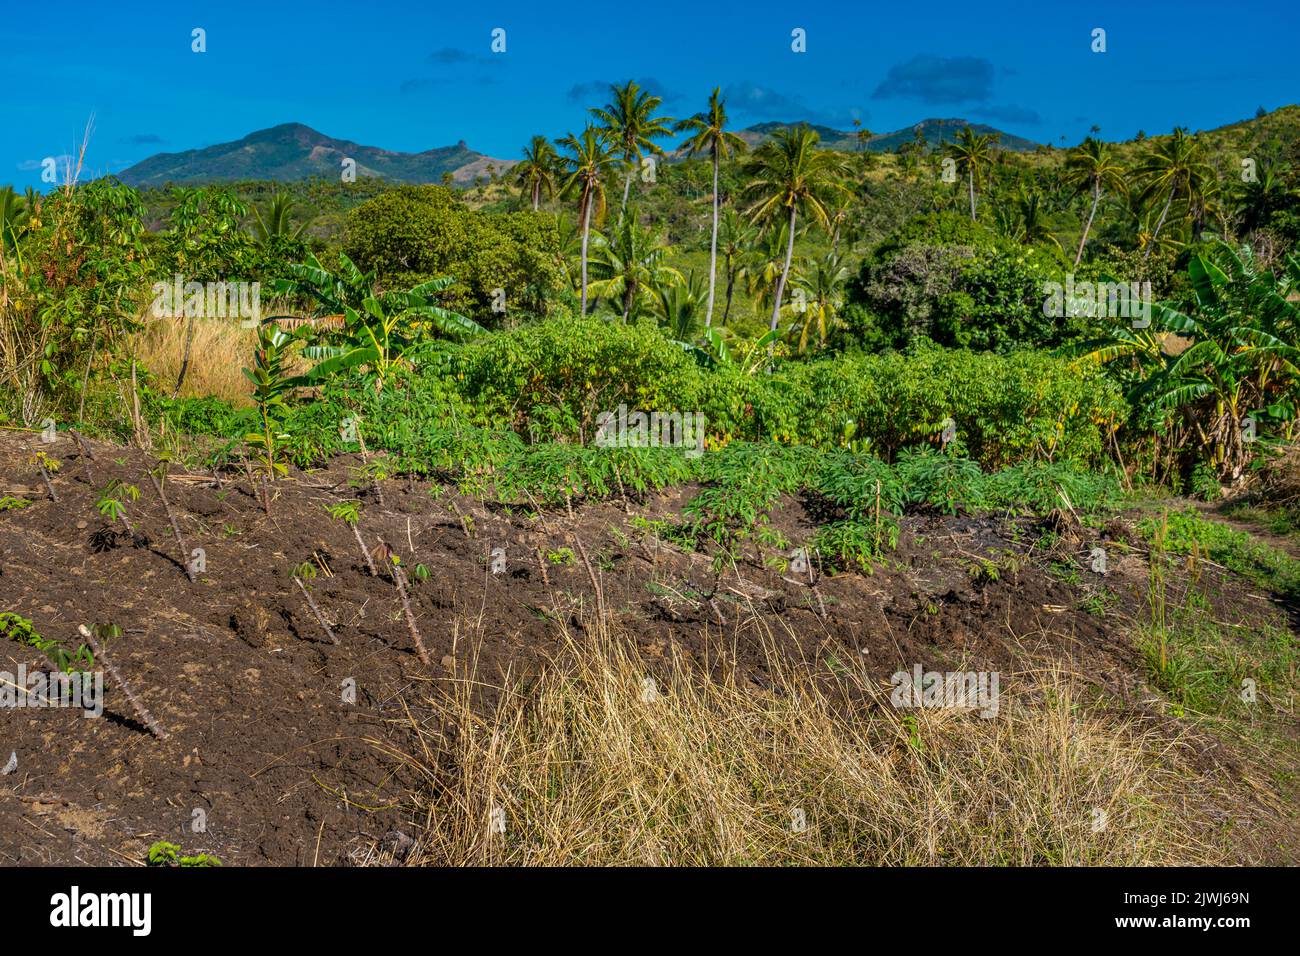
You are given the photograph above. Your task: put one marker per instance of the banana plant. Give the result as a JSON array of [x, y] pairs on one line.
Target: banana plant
[[1243, 361], [712, 352], [379, 330]]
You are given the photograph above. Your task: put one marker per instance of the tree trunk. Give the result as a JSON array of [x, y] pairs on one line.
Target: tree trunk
[[586, 231], [1096, 198], [627, 189], [731, 282], [713, 245], [780, 283], [970, 182], [1159, 225], [537, 195], [185, 359]]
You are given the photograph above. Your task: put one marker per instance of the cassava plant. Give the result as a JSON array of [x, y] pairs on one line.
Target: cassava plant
[[349, 512]]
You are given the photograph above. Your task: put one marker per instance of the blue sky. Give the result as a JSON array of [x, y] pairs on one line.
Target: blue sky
[[414, 75]]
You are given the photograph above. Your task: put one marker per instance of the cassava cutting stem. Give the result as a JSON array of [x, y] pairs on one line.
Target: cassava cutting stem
[[399, 582], [49, 485], [365, 553], [144, 716], [176, 528], [600, 595], [311, 603]]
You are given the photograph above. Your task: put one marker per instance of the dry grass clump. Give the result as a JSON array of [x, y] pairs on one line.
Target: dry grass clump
[[221, 348], [605, 758]]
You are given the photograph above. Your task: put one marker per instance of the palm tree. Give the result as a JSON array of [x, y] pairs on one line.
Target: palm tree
[[789, 172], [972, 152], [278, 221], [1033, 221], [678, 306], [823, 285], [631, 127], [1258, 200], [709, 133], [738, 236], [587, 165], [537, 173], [1091, 167], [763, 264], [630, 267], [1174, 165]]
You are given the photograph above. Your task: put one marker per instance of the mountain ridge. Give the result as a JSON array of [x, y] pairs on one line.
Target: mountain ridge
[[293, 151]]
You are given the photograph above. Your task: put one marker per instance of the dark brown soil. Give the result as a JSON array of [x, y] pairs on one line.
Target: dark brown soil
[[242, 677]]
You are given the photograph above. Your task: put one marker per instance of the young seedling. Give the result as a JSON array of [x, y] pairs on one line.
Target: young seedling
[[17, 628], [308, 570], [163, 853], [110, 503], [349, 512], [171, 517], [47, 466], [106, 632], [271, 385], [386, 556]]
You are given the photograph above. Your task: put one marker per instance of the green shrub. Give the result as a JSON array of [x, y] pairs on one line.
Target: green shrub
[[552, 379]]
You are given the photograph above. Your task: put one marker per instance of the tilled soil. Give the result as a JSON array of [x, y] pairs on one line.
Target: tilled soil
[[266, 749]]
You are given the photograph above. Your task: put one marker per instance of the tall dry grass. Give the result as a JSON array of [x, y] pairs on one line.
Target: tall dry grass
[[220, 350], [585, 764]]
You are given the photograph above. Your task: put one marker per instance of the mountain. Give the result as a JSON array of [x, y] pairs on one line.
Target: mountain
[[935, 132], [293, 151]]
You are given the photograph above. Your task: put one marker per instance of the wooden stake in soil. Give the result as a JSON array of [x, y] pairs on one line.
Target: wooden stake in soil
[[176, 528], [144, 716], [399, 581], [311, 603]]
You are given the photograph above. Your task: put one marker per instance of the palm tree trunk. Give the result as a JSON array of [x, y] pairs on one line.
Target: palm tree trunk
[[970, 182], [627, 189], [785, 271], [586, 231], [537, 194], [731, 282], [1159, 225], [713, 245], [1096, 198]]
